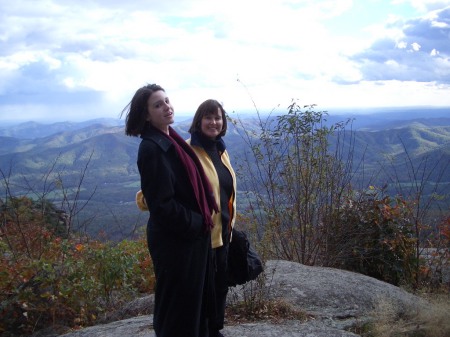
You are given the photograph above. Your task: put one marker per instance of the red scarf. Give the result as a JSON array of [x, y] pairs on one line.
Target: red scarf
[[200, 183]]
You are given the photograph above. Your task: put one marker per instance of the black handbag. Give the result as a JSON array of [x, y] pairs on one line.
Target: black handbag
[[244, 264]]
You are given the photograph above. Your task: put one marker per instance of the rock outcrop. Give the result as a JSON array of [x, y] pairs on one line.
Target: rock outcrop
[[336, 299]]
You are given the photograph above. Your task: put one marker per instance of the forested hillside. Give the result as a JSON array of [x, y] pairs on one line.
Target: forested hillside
[[97, 161]]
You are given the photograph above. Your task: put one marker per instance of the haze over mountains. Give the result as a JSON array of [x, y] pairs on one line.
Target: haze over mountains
[[33, 156]]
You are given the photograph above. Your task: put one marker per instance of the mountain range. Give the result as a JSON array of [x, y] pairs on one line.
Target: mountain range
[[34, 156]]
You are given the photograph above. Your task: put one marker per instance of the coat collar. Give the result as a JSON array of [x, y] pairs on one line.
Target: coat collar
[[198, 140], [156, 136]]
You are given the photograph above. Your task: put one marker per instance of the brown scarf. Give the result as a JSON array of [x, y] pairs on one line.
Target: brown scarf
[[200, 183]]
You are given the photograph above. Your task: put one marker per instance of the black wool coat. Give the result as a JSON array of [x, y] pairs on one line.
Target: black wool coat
[[179, 246]]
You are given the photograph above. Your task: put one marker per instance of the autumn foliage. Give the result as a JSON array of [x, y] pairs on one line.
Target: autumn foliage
[[51, 279]]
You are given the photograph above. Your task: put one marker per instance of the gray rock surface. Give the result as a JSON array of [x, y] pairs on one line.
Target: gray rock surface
[[335, 293], [141, 326], [336, 299]]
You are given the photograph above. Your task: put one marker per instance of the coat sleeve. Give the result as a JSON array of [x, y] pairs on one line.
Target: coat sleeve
[[171, 202]]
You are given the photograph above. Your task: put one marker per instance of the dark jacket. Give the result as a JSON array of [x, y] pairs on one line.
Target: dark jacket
[[177, 240]]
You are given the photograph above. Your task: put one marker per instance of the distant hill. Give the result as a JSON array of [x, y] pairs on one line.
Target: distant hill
[[417, 139], [372, 119], [65, 149], [33, 130], [406, 155]]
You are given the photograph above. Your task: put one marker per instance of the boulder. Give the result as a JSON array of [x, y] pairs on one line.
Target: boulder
[[329, 292], [336, 300]]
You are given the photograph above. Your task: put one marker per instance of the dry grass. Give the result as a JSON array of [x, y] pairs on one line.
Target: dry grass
[[429, 321], [275, 311]]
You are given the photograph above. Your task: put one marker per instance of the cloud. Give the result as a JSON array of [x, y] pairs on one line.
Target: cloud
[[88, 57], [424, 5], [420, 52]]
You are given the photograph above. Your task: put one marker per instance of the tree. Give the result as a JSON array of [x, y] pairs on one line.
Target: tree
[[293, 180]]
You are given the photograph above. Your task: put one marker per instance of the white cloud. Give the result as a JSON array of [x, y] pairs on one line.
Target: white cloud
[[413, 52], [434, 52], [87, 57], [425, 5], [415, 46]]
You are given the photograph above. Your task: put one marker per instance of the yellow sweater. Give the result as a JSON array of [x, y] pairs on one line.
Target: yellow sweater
[[210, 171]]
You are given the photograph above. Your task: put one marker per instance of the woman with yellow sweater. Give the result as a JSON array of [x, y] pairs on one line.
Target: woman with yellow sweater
[[207, 129]]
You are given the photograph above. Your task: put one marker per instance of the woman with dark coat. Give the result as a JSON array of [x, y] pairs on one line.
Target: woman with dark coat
[[179, 198], [207, 130]]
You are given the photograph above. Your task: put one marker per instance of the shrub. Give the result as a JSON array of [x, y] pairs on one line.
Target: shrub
[[373, 235], [51, 280]]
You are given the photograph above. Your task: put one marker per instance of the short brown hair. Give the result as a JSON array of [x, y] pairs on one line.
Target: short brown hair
[[207, 108]]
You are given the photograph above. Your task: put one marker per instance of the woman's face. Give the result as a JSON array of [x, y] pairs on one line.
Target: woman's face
[[160, 110], [212, 124]]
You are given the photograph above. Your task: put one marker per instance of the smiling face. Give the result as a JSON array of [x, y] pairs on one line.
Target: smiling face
[[160, 111], [212, 124]]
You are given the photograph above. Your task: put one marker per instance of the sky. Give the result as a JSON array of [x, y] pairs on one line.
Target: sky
[[83, 59]]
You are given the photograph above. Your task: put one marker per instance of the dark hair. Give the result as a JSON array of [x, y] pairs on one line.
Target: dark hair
[[208, 107], [137, 110]]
